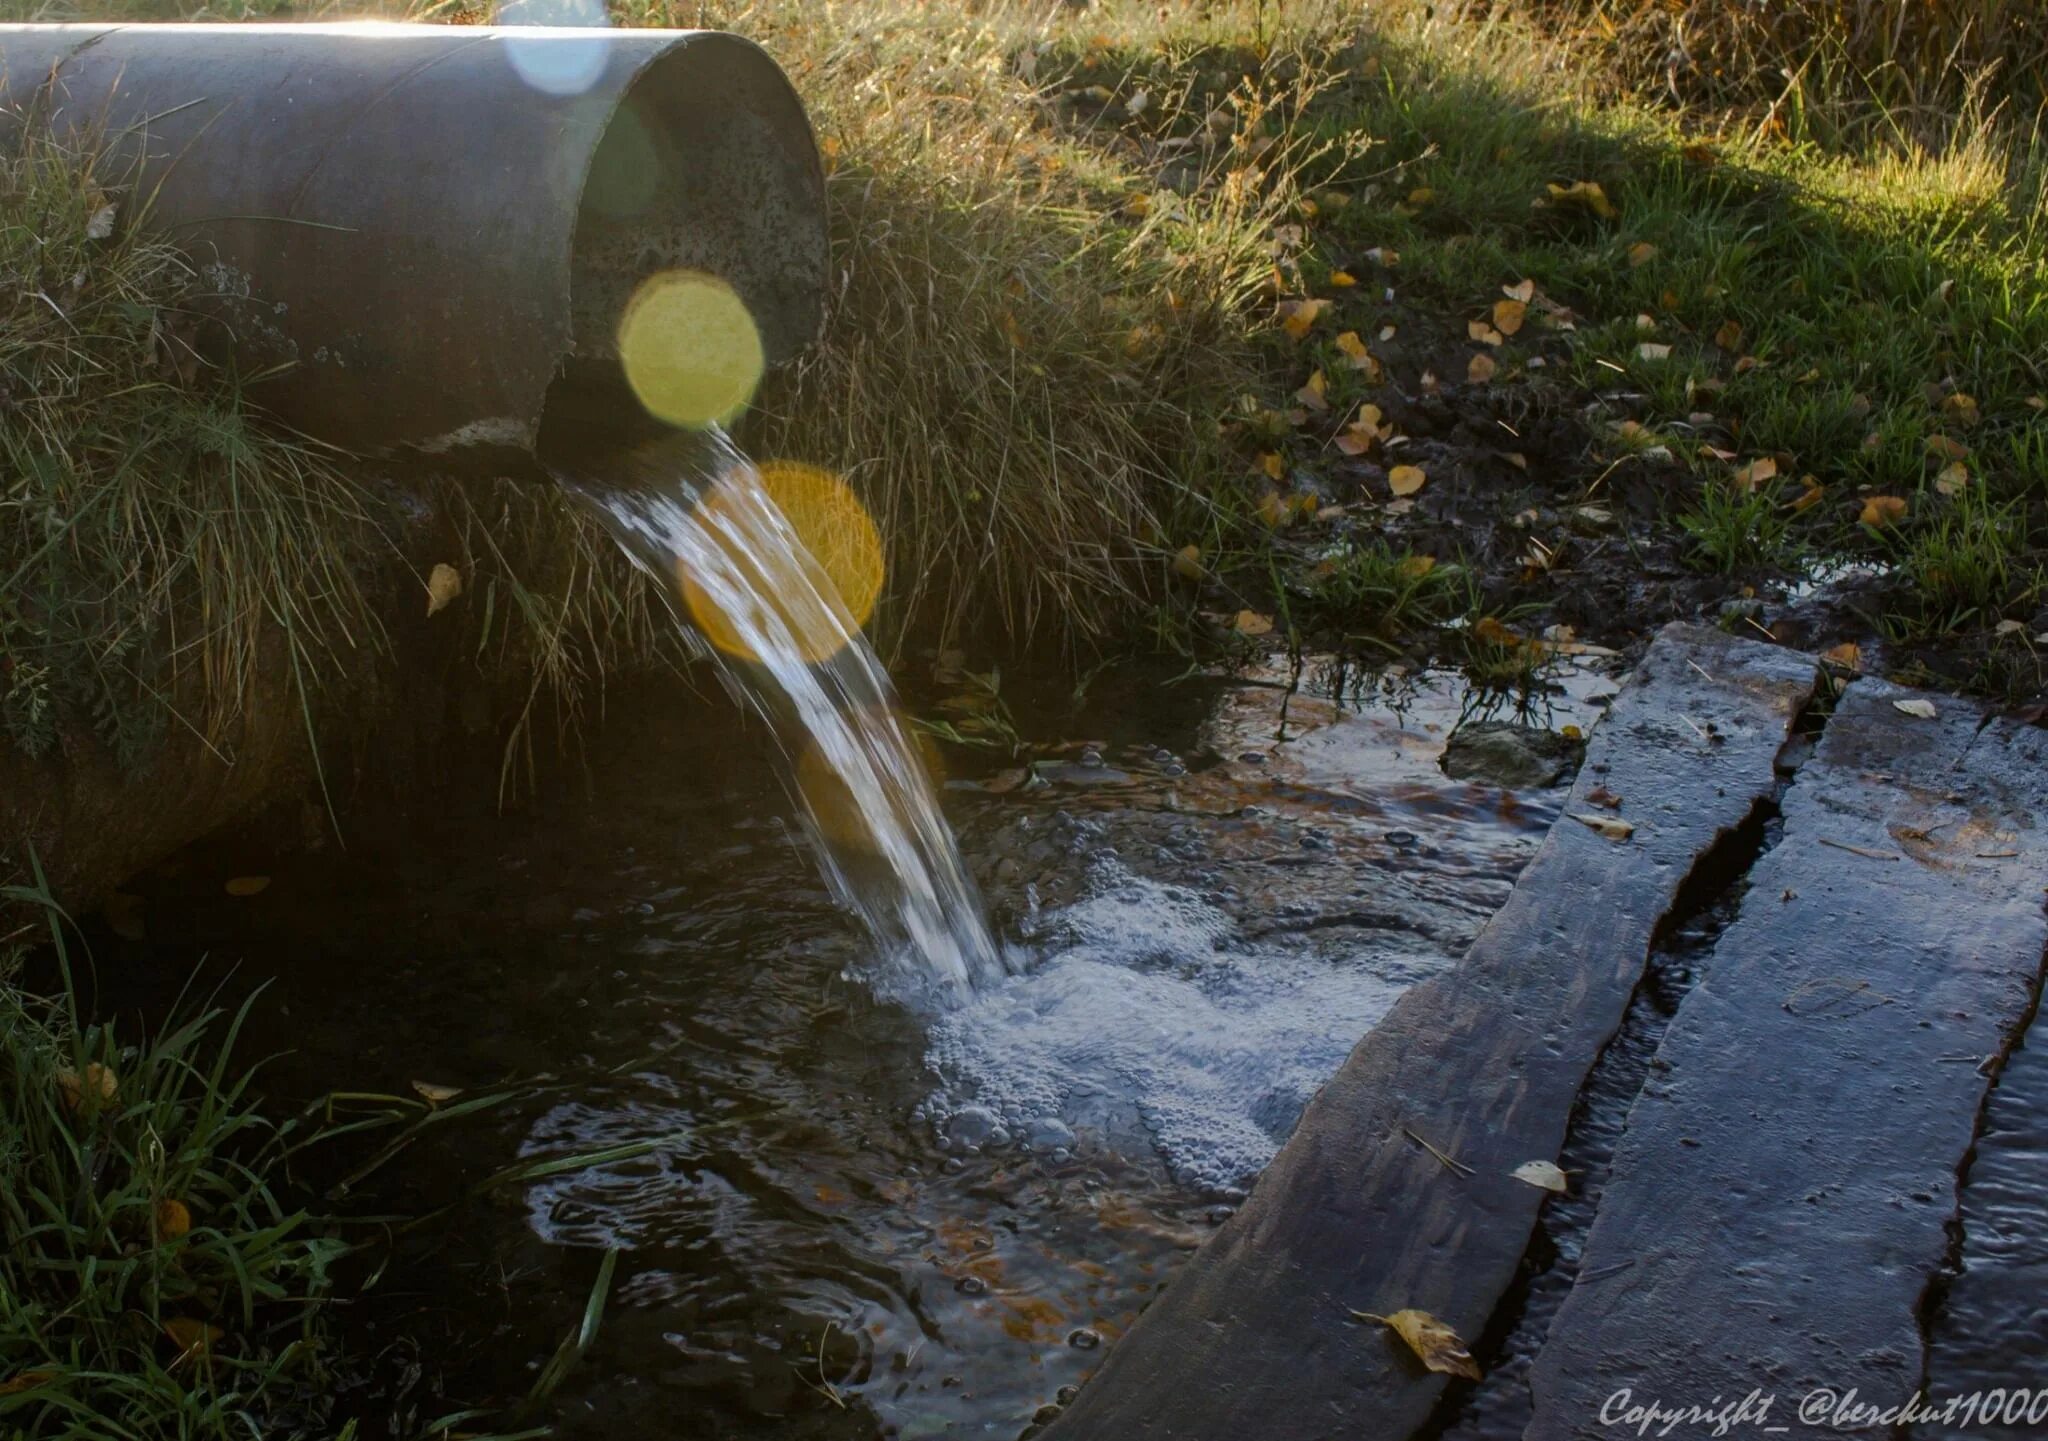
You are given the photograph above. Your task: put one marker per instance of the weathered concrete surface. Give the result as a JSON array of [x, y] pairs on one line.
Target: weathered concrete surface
[[1781, 1199], [1484, 1063]]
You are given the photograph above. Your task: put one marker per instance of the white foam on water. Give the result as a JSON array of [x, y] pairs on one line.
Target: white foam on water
[[1150, 1019]]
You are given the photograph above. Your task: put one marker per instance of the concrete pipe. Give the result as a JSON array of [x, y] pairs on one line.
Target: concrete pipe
[[422, 237]]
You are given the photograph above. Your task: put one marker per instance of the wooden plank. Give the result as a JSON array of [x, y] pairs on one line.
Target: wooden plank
[[1252, 1338], [1782, 1196]]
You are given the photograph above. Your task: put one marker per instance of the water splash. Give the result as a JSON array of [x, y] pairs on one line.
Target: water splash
[[791, 652]]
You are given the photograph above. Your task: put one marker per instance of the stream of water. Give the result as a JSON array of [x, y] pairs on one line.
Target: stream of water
[[713, 538]]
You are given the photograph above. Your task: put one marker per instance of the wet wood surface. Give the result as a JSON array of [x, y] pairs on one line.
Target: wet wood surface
[[1484, 1064], [1781, 1199]]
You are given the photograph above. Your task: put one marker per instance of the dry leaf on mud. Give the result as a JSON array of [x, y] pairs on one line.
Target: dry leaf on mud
[[1297, 316], [1918, 707], [1601, 796], [1508, 315], [1522, 290], [247, 885], [1316, 394], [1250, 622], [1543, 1175], [1485, 334], [1953, 477], [1612, 827], [1480, 369], [1406, 479], [444, 583], [1434, 1343], [1882, 510]]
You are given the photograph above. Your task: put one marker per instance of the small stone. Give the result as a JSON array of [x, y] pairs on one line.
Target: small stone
[[1515, 756], [1083, 1339], [971, 1286], [1046, 1415], [1066, 1394]]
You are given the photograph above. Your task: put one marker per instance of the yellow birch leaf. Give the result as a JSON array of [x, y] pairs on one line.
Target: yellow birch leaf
[[1314, 395], [1729, 335], [444, 583], [1343, 279], [1755, 473], [1436, 1345], [247, 885], [173, 1219], [1508, 315], [1614, 828], [1480, 369], [1187, 562], [1953, 477], [1543, 1175], [1250, 622], [1641, 254], [1522, 290], [1961, 408], [1406, 479], [1586, 193], [1882, 510]]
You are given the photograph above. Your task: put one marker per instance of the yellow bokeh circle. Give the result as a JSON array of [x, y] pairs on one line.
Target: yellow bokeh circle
[[690, 349], [829, 521]]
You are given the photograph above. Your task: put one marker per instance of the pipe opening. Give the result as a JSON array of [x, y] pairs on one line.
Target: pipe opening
[[706, 165]]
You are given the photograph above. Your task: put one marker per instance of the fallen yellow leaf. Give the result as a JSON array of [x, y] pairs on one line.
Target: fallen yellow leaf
[[1343, 279], [1415, 567], [1650, 350], [433, 1094], [1480, 369], [172, 1219], [1848, 655], [1353, 349], [1436, 1345], [1298, 316], [1543, 1175], [191, 1337], [1315, 394], [1272, 465], [444, 583], [1522, 290], [247, 885], [25, 1381], [1641, 254], [1750, 476], [1509, 314], [1250, 622], [97, 1087], [1406, 479], [1729, 335], [1485, 334], [1961, 408], [1612, 827], [1586, 193], [1187, 562], [1882, 510], [1953, 477], [1945, 448]]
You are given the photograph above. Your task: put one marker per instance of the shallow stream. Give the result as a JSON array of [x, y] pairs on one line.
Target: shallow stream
[[871, 1216]]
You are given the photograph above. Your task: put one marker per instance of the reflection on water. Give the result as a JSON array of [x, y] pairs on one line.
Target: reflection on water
[[863, 1221]]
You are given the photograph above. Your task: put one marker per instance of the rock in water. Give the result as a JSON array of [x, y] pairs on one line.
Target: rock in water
[[1516, 756]]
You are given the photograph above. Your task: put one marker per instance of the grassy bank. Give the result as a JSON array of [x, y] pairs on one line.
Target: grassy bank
[[1111, 287]]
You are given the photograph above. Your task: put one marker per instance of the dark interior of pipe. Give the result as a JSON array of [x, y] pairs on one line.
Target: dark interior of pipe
[[708, 166]]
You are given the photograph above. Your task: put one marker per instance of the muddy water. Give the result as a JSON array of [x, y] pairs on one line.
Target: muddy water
[[865, 1219]]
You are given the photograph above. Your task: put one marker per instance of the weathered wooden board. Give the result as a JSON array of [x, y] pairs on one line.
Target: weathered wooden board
[[1781, 1197], [1251, 1339]]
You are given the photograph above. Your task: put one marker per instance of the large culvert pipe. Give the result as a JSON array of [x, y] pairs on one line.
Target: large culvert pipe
[[422, 236]]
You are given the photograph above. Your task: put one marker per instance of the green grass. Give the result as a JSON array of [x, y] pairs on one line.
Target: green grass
[[154, 1279], [1369, 590]]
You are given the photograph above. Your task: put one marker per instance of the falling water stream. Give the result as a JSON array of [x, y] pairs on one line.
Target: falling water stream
[[711, 535]]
